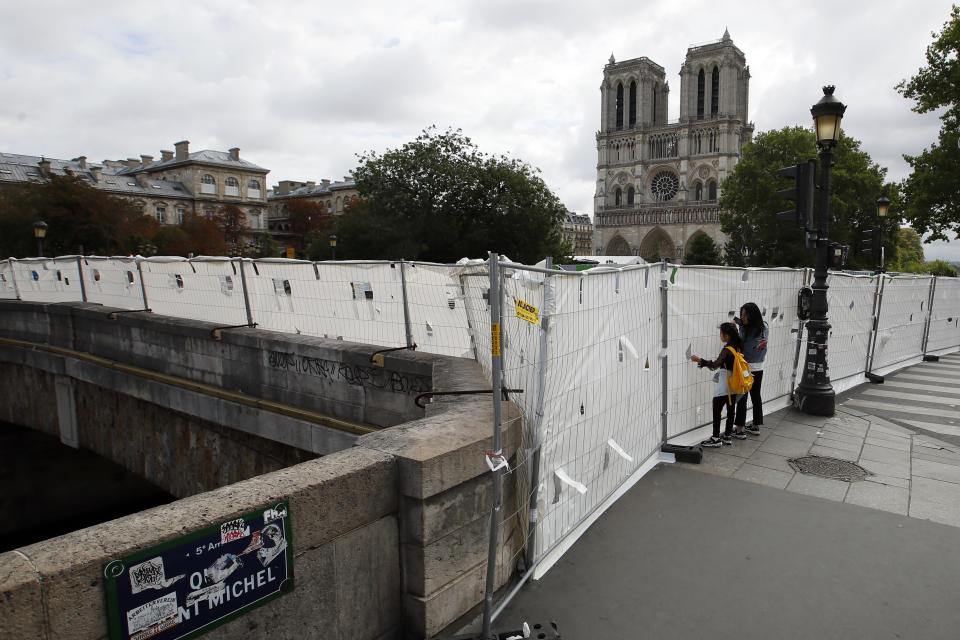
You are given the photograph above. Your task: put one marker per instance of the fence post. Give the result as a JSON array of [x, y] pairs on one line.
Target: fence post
[[83, 286], [926, 326], [13, 276], [664, 343], [872, 336], [406, 305], [534, 453], [872, 344], [796, 354], [497, 455], [143, 286], [246, 293]]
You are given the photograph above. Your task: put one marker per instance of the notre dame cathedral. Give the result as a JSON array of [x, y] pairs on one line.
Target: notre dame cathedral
[[658, 181]]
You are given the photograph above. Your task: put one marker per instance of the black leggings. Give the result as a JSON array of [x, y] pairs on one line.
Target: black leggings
[[719, 402], [757, 403]]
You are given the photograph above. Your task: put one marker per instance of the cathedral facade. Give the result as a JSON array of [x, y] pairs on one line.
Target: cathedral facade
[[658, 181]]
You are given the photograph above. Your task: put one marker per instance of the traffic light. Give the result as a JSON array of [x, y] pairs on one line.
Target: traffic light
[[837, 255], [801, 194], [866, 240]]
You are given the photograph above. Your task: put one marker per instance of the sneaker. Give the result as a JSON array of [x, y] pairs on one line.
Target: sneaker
[[712, 442], [739, 435], [752, 430], [726, 439]]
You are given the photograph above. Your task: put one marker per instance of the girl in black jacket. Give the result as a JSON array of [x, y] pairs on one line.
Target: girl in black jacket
[[730, 337]]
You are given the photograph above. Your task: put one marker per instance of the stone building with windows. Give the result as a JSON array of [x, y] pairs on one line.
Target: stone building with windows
[[658, 181], [333, 196], [578, 231], [180, 182]]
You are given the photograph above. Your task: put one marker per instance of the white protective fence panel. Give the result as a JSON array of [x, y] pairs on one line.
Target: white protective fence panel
[[850, 301], [48, 279], [438, 317], [113, 282], [699, 300], [356, 302], [206, 289], [8, 287], [944, 333], [903, 314]]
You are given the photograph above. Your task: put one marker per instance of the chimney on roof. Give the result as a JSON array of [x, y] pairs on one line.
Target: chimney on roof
[[325, 183], [145, 160], [44, 167], [311, 184], [143, 180], [183, 150], [166, 156], [95, 172], [131, 163], [82, 161], [235, 154]]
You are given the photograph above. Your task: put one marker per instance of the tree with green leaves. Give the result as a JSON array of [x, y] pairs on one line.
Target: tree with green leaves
[[702, 250], [439, 198], [931, 193], [909, 256], [78, 216], [941, 268], [749, 202]]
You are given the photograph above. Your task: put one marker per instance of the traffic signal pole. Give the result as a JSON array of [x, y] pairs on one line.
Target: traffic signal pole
[[815, 394]]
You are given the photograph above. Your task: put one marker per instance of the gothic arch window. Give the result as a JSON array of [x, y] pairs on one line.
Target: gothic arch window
[[700, 94], [714, 91], [617, 196], [633, 102], [630, 194], [664, 186], [619, 105], [698, 191], [712, 189]]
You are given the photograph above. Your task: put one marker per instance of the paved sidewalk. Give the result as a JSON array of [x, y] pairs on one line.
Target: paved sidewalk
[[916, 471], [743, 547]]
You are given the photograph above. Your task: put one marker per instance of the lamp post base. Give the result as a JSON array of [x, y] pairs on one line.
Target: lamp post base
[[816, 402]]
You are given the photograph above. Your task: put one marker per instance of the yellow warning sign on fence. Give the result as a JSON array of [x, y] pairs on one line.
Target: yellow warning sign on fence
[[528, 312], [495, 339]]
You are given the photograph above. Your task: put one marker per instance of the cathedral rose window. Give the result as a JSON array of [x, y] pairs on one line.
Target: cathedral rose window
[[664, 186]]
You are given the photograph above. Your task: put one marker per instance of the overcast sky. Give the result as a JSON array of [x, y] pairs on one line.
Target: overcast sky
[[301, 87]]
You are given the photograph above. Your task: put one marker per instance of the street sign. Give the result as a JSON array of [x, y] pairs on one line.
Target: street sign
[[188, 586]]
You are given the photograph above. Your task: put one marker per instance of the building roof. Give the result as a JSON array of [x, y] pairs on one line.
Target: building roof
[[20, 168], [312, 190], [207, 156]]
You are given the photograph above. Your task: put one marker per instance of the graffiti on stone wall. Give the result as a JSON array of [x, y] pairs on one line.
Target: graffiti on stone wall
[[352, 374]]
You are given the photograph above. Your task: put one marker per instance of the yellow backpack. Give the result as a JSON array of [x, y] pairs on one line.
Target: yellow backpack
[[740, 379]]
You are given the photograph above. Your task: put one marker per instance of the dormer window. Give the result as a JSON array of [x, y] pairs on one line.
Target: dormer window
[[231, 187], [208, 184]]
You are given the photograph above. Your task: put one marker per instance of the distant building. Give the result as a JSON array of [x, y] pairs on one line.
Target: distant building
[[179, 183], [578, 231], [658, 182], [333, 196]]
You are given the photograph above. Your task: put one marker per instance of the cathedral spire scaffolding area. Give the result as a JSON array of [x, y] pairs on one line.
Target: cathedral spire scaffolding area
[[658, 181]]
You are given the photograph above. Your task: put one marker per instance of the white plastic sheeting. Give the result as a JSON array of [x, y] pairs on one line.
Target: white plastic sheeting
[[903, 315], [944, 316], [47, 279], [699, 300], [850, 309], [114, 282]]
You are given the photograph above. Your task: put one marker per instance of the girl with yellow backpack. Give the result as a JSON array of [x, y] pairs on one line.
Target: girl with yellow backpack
[[731, 363]]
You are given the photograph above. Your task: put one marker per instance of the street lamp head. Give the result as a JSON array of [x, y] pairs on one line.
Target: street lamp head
[[39, 229], [883, 206], [826, 118], [333, 240]]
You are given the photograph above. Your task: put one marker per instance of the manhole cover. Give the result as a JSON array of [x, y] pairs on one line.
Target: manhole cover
[[825, 467]]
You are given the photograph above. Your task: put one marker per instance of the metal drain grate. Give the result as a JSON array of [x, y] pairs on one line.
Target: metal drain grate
[[832, 468]]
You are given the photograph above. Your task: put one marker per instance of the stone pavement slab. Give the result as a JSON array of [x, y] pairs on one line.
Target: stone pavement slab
[[657, 565]]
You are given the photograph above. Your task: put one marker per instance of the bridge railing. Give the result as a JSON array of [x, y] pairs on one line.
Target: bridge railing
[[602, 356]]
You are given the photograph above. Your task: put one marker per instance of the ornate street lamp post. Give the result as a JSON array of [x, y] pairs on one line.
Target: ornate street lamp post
[[333, 247], [40, 232], [883, 207], [815, 394]]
